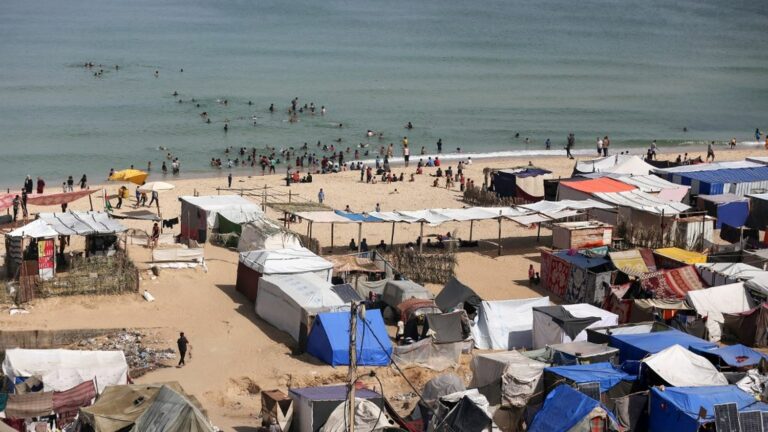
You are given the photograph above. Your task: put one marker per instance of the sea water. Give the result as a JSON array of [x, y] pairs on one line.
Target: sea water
[[472, 73]]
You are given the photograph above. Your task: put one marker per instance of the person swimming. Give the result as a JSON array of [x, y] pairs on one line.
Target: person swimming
[[409, 125], [175, 93]]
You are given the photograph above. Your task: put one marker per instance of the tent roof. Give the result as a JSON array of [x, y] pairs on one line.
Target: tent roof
[[307, 290], [580, 260], [329, 339], [331, 393], [70, 223], [708, 167], [502, 320], [583, 348], [682, 255], [648, 183], [455, 293], [284, 261], [689, 400], [565, 407], [623, 164], [738, 355], [736, 175], [734, 270], [604, 373], [638, 345], [642, 201], [234, 208], [682, 368], [722, 198], [35, 229], [172, 412], [603, 184], [630, 262]]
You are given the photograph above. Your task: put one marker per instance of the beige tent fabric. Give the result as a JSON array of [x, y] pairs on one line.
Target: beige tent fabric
[[171, 412]]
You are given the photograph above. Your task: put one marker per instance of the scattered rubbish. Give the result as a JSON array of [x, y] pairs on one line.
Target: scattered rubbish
[[148, 297]]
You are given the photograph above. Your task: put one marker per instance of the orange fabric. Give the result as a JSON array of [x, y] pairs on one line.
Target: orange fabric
[[603, 184]]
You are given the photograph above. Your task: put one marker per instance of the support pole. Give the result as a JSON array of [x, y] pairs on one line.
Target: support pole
[[499, 236], [359, 236], [352, 371], [331, 236], [392, 237], [538, 233], [421, 236], [90, 200]]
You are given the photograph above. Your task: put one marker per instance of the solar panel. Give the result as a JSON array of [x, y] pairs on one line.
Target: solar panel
[[726, 418], [591, 389], [751, 421]]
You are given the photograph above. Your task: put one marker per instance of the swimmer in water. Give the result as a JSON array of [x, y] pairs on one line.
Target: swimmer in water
[[370, 133], [208, 120], [157, 74], [250, 103], [341, 125], [271, 108], [409, 125], [175, 93], [226, 127]]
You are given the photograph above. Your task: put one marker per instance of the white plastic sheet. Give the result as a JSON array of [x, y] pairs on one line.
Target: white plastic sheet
[[682, 368], [506, 324]]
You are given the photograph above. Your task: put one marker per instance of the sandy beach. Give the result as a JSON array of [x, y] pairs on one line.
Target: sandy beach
[[233, 352]]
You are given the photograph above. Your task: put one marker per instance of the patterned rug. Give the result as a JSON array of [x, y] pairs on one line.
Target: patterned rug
[[672, 284]]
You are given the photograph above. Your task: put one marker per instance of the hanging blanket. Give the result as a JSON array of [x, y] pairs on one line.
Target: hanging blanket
[[66, 404], [557, 274], [672, 284]]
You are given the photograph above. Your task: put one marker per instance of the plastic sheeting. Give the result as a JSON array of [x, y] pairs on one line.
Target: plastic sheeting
[[63, 369], [567, 409], [368, 417], [713, 302], [642, 201], [727, 273], [233, 207], [506, 324], [637, 346], [546, 331], [605, 374], [509, 378], [618, 164], [440, 386], [398, 291], [287, 261], [455, 294], [35, 229], [737, 356], [81, 223], [428, 354], [264, 234], [171, 412], [682, 368]]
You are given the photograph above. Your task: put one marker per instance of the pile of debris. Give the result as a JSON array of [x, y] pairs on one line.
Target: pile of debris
[[144, 352]]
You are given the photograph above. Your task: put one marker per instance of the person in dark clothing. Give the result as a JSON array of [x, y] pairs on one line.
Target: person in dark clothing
[[28, 184], [182, 342], [83, 182], [229, 181], [570, 143], [16, 203], [24, 203]]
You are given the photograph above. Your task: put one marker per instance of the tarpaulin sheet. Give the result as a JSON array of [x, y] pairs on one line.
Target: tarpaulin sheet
[[506, 324], [672, 284], [172, 412], [29, 405], [548, 207], [325, 217], [714, 166], [604, 373], [630, 262], [750, 327], [642, 201], [35, 229], [507, 377], [285, 261], [569, 324], [618, 164], [680, 367], [448, 326], [604, 184], [650, 183], [637, 346], [456, 294], [682, 255], [426, 353], [565, 408], [737, 356], [235, 208], [727, 273], [358, 217], [713, 302], [82, 223]]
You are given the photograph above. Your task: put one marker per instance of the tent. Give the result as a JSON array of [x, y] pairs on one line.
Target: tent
[[265, 234], [575, 277], [602, 335], [672, 284], [524, 184], [507, 378], [566, 409], [289, 302], [199, 214], [506, 324], [611, 379], [62, 369], [738, 181], [637, 346], [582, 352], [117, 407], [729, 209], [440, 386], [428, 354], [562, 324], [749, 327], [679, 408], [449, 327], [397, 291], [616, 164], [170, 411], [726, 273], [468, 414], [679, 367], [455, 294], [673, 257], [329, 339], [314, 405], [713, 302], [733, 356], [369, 417], [255, 264]]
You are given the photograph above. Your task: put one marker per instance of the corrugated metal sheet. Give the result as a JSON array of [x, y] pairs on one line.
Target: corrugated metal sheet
[[729, 175]]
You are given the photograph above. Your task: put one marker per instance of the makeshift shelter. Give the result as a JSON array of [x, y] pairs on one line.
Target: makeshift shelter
[[713, 302], [679, 367], [566, 323], [290, 302], [457, 295], [584, 189], [255, 264], [62, 369], [265, 234], [635, 262], [673, 257], [428, 354], [654, 185], [314, 405], [329, 339], [672, 283], [758, 211], [506, 324], [602, 335], [117, 408], [171, 411], [449, 327], [440, 386], [613, 381], [507, 378], [631, 310], [637, 346], [686, 409], [616, 164], [728, 209], [277, 405], [582, 352], [732, 356], [749, 327], [581, 235], [199, 214], [716, 181], [715, 274], [524, 184], [577, 278], [469, 414], [397, 291], [567, 409], [368, 417]]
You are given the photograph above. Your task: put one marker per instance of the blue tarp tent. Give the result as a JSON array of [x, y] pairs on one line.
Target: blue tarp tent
[[737, 356], [329, 339], [677, 408], [729, 209], [565, 407], [637, 346], [604, 373]]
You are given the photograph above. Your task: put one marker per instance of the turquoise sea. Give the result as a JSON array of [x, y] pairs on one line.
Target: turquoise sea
[[471, 73]]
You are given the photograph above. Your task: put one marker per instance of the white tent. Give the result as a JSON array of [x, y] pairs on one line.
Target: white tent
[[716, 274], [287, 261], [682, 368], [264, 234], [618, 164], [506, 324], [714, 302], [546, 330], [63, 369], [507, 377], [368, 417], [287, 301], [235, 208], [35, 229]]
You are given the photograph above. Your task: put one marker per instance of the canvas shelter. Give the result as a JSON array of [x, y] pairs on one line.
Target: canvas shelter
[[712, 303], [748, 327], [368, 417], [200, 214], [171, 411], [680, 367], [314, 405], [290, 302], [455, 294], [566, 323], [575, 277], [449, 327], [398, 291], [726, 273], [508, 378], [329, 339], [735, 356], [616, 164], [265, 234], [567, 409], [506, 324], [524, 184], [61, 369], [582, 352], [678, 408], [253, 265], [728, 209], [613, 381], [637, 346]]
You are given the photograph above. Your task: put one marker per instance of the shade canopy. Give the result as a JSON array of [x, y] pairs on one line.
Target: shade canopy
[[157, 186], [130, 175]]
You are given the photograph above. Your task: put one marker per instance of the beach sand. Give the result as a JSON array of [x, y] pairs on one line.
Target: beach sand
[[234, 353]]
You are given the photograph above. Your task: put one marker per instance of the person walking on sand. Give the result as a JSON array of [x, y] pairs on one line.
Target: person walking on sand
[[16, 204], [24, 203], [182, 343], [321, 196], [570, 141], [599, 146], [547, 144], [229, 181], [28, 184], [606, 143], [711, 151], [83, 182], [153, 240], [70, 184], [155, 199], [40, 185], [406, 154]]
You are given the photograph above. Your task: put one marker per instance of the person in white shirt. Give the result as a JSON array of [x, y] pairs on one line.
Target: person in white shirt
[[599, 146]]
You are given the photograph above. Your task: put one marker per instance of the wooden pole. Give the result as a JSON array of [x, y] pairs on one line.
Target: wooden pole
[[421, 236], [359, 236], [331, 236], [538, 233], [392, 237], [90, 200], [352, 371], [471, 228], [499, 236]]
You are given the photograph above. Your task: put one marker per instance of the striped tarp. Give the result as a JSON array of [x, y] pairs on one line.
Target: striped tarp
[[67, 403]]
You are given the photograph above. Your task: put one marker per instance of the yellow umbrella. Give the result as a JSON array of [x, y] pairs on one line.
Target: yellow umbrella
[[130, 175]]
